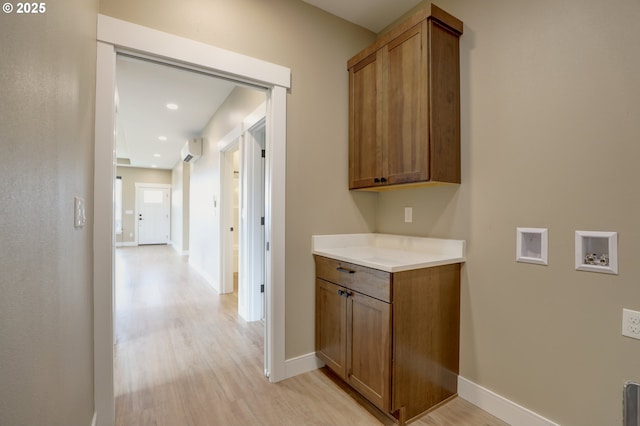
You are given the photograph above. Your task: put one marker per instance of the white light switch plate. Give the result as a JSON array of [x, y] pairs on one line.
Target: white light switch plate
[[79, 213]]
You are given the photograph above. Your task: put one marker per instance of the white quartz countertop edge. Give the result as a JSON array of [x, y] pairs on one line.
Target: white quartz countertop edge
[[390, 253]]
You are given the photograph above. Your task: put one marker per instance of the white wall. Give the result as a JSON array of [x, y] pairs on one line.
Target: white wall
[[204, 248], [180, 189]]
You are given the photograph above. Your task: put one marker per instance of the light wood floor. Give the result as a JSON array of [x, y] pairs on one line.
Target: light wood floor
[[184, 357]]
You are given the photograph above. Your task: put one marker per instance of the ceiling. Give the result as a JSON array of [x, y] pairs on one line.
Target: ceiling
[[145, 88], [373, 15]]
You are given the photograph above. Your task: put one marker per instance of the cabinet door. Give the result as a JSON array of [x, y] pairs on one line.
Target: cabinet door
[[365, 97], [331, 326], [369, 348], [405, 114]]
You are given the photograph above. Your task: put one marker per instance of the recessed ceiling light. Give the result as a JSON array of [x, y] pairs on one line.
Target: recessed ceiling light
[[156, 155], [162, 138], [172, 106], [154, 166]]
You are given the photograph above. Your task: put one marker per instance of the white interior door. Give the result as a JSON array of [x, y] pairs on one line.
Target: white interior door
[[252, 236], [153, 209]]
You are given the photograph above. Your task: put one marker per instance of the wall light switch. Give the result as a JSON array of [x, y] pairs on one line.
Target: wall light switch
[[79, 212], [408, 214]]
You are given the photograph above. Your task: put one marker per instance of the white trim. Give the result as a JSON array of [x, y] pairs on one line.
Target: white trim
[[275, 194], [302, 364], [152, 185], [180, 252], [114, 34], [103, 235], [143, 40], [208, 278], [499, 406], [127, 244], [94, 419]]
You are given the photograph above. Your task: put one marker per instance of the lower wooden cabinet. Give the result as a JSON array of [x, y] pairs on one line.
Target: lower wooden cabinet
[[392, 337]]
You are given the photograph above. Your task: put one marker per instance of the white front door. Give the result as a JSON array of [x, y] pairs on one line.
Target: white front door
[[153, 207]]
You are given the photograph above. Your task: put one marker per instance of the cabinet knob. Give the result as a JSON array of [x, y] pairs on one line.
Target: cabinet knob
[[383, 180], [376, 180]]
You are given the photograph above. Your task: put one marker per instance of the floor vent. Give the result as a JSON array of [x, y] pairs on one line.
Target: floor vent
[[631, 404]]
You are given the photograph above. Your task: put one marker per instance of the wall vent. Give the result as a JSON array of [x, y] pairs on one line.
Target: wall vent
[[631, 404]]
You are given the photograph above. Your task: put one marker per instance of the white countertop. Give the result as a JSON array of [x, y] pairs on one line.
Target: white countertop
[[391, 253]]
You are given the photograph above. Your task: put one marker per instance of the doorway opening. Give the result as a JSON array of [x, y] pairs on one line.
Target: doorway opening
[[242, 179], [119, 36], [227, 249]]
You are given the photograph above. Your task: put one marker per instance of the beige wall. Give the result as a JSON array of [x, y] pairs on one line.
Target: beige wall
[[47, 87], [549, 139], [131, 176]]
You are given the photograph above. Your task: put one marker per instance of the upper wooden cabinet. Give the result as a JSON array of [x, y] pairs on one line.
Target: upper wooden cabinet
[[404, 105]]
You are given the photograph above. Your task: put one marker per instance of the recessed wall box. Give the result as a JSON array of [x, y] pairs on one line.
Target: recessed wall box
[[532, 245], [597, 251]]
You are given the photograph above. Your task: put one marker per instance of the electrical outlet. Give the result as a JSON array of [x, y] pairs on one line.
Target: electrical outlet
[[408, 214], [631, 323]]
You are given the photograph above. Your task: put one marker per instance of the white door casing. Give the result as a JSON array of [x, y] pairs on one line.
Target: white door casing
[[114, 36]]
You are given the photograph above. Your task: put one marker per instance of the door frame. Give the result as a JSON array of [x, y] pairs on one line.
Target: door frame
[[138, 186], [113, 36]]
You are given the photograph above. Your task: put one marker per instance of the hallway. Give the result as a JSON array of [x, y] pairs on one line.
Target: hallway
[[184, 357]]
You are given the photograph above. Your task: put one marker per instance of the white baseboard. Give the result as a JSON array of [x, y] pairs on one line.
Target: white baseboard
[[301, 364], [208, 278], [127, 244], [499, 406], [95, 418], [179, 250]]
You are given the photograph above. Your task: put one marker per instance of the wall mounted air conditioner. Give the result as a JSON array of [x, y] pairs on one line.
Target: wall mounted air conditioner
[[192, 150]]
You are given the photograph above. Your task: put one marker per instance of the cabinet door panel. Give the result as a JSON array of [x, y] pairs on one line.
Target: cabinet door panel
[[445, 104], [364, 142], [331, 326], [405, 110], [369, 348]]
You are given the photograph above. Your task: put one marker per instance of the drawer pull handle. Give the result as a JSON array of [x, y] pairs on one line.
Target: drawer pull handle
[[345, 270]]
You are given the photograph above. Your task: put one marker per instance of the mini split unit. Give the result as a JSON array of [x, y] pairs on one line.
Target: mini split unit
[[192, 150]]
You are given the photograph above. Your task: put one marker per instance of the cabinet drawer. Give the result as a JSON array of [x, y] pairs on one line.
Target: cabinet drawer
[[372, 282]]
